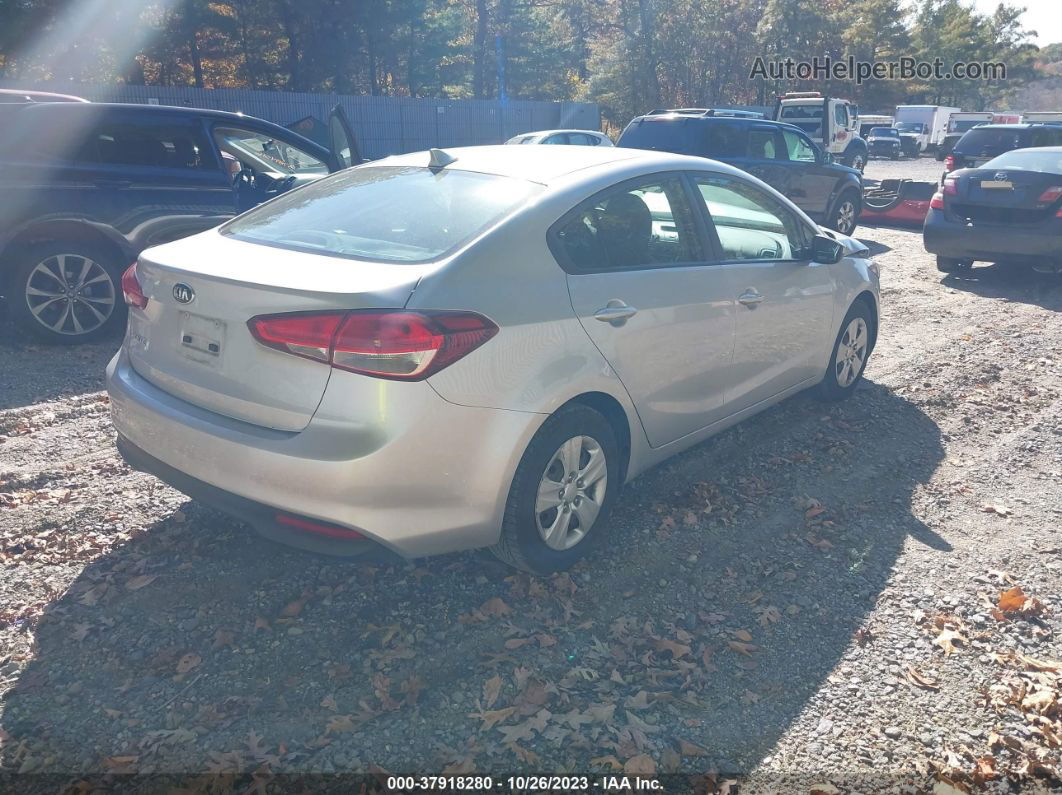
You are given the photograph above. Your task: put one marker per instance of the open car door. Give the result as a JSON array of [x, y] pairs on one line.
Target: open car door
[[341, 141]]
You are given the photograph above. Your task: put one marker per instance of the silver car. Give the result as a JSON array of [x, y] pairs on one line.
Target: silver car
[[563, 138], [463, 348]]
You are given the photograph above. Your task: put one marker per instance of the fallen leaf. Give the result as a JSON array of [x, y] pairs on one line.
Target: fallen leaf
[[223, 638], [293, 609], [609, 761], [491, 689], [690, 749], [328, 702], [640, 765], [188, 662], [823, 789], [920, 680], [491, 718], [947, 639], [741, 648], [143, 580], [516, 643], [677, 649], [996, 508], [495, 606], [743, 634]]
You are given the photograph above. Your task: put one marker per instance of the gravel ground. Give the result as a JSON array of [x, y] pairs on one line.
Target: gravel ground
[[821, 597]]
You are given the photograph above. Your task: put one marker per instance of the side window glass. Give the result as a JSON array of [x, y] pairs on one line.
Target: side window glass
[[724, 140], [798, 147], [840, 115], [762, 145], [579, 139], [261, 152], [559, 138], [627, 228], [751, 225], [165, 144]]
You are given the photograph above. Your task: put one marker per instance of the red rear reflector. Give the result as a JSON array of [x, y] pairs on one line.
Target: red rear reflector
[[1051, 194], [949, 163], [317, 528], [937, 202], [134, 295], [394, 344]]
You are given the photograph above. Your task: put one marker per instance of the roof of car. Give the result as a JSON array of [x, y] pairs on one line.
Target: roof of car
[[551, 132], [1022, 126], [97, 107], [545, 164], [657, 118]]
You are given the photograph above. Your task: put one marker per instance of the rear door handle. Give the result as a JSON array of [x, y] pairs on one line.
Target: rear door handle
[[750, 298], [615, 312]]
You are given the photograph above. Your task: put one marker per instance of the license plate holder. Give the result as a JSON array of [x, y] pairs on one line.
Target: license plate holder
[[997, 184], [202, 339]]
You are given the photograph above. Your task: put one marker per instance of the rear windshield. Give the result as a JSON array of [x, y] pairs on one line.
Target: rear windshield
[[979, 139], [802, 111], [1046, 160], [885, 132], [389, 214], [663, 135]]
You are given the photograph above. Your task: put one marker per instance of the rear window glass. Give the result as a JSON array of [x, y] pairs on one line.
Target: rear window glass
[[1001, 140], [802, 111], [663, 135], [390, 214], [885, 132], [1029, 160]]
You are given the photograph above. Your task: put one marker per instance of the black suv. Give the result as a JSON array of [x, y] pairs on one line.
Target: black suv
[[780, 154], [986, 141], [88, 186]]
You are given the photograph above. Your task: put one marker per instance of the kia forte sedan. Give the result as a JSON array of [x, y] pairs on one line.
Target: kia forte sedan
[[463, 348]]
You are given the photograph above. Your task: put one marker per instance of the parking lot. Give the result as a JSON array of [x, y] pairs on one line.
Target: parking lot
[[811, 597]]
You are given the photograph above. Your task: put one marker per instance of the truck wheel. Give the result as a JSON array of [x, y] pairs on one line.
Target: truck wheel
[[950, 265], [858, 161], [66, 292]]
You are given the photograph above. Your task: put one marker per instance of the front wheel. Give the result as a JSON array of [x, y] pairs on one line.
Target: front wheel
[[845, 214], [66, 292], [858, 161], [562, 493], [950, 265], [850, 353]]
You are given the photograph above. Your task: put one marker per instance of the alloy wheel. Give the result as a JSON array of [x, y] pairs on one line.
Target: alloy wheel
[[70, 294], [846, 215], [571, 492], [851, 352]]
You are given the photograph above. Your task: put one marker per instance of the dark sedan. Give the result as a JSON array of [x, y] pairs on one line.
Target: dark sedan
[[1009, 210]]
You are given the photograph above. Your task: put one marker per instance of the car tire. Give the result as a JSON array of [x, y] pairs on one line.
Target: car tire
[[530, 506], [851, 350], [951, 265], [858, 162], [844, 217], [66, 293], [894, 156]]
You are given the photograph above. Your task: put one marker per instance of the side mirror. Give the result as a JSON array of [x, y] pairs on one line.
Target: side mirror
[[826, 250]]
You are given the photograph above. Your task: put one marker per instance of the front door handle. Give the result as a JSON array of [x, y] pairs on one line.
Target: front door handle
[[615, 312], [750, 298]]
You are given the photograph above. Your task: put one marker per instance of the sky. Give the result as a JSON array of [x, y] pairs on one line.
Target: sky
[[1043, 16]]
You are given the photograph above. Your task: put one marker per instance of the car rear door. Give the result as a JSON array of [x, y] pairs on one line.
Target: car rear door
[[341, 141], [784, 311], [159, 175], [646, 294], [765, 157]]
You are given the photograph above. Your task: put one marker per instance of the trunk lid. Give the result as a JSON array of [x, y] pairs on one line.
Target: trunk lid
[[1004, 195], [192, 339]]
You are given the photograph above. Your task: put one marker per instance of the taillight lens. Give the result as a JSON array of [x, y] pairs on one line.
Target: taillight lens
[[134, 295], [937, 202], [949, 163], [394, 344], [950, 186], [1051, 194]]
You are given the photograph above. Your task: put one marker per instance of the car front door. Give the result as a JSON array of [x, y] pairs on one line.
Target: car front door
[[646, 295], [341, 141], [810, 172], [784, 299]]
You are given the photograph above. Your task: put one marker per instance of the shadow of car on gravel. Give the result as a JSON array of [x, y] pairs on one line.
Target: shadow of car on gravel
[[876, 248], [1018, 283], [735, 581], [37, 373]]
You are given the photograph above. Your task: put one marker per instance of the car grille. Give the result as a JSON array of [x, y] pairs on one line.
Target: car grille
[[979, 213]]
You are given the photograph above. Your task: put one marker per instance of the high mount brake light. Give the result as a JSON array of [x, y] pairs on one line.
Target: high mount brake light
[[384, 343], [134, 294]]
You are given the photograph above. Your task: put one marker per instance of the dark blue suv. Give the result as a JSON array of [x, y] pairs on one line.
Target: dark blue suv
[[88, 186], [780, 154]]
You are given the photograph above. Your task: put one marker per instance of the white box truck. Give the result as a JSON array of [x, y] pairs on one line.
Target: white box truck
[[1042, 117], [923, 127]]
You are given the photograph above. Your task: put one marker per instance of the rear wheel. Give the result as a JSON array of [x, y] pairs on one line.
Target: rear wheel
[[850, 353], [950, 265], [66, 292], [562, 492]]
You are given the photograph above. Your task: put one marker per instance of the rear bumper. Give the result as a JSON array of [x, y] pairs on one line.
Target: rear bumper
[[393, 461], [992, 242]]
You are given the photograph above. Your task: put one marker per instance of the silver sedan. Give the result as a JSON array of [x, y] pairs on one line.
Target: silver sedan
[[467, 348]]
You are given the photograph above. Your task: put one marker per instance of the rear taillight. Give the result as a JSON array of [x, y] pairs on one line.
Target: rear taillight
[[1051, 194], [937, 202], [949, 163], [134, 295], [950, 186], [394, 343]]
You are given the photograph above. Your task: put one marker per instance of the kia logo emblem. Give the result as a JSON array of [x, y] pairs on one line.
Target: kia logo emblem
[[183, 294]]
